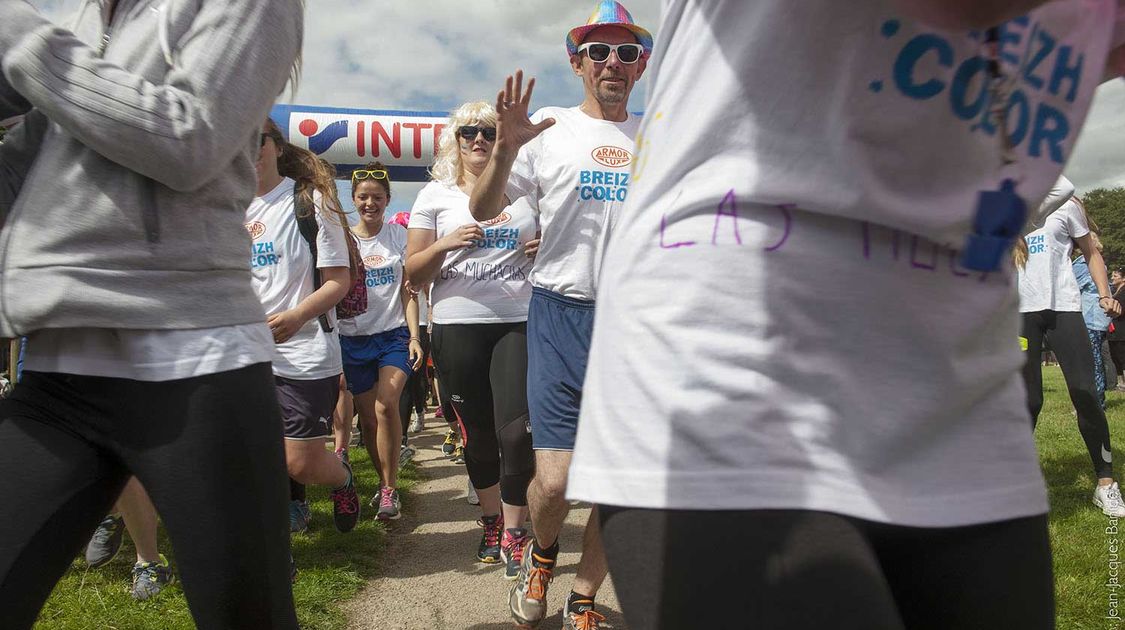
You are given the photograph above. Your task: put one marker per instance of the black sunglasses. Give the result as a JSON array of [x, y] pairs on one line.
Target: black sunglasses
[[469, 132]]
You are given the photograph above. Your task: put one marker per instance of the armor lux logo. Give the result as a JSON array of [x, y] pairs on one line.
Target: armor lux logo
[[373, 261], [256, 229], [503, 218], [613, 157]]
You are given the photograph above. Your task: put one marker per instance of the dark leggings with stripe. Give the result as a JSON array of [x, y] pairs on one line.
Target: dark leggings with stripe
[[483, 372], [1066, 334], [801, 569]]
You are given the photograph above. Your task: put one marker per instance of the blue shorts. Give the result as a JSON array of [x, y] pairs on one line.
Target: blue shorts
[[559, 330], [365, 354]]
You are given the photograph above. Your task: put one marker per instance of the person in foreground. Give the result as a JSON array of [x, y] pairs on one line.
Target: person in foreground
[[754, 467], [123, 260]]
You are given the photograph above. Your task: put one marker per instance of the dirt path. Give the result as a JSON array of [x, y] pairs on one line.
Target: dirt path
[[430, 578]]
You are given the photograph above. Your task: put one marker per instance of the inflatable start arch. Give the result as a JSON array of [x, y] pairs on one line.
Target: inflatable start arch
[[349, 138]]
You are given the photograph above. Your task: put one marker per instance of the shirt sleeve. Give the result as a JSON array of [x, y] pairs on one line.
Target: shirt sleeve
[[1076, 223], [331, 242], [423, 214]]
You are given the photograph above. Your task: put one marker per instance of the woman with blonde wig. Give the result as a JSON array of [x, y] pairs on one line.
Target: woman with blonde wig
[[480, 298]]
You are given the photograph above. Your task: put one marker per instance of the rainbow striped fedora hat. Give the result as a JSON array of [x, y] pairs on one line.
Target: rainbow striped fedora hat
[[608, 13]]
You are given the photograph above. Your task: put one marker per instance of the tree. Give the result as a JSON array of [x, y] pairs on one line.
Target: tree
[[1106, 207]]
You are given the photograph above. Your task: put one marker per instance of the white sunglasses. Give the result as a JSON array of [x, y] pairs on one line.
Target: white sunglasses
[[599, 52]]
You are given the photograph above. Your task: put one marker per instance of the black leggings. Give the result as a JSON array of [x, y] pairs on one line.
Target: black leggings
[[414, 395], [209, 452], [1066, 334], [782, 569], [483, 371]]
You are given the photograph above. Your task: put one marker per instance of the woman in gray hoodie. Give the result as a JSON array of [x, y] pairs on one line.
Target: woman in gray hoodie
[[123, 259]]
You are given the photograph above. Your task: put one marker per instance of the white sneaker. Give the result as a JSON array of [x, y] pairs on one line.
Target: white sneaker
[[417, 424], [473, 499], [1108, 498]]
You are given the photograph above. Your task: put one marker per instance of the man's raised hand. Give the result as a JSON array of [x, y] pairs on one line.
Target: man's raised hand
[[513, 126]]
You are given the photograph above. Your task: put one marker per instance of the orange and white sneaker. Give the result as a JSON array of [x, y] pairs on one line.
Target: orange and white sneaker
[[580, 615], [528, 597]]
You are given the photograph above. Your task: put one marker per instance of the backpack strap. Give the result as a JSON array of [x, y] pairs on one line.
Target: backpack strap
[[305, 214]]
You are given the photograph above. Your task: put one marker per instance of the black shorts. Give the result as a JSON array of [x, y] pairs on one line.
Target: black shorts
[[307, 406]]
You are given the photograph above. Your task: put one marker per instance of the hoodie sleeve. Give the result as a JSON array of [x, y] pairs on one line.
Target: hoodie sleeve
[[17, 153], [1060, 193], [230, 67]]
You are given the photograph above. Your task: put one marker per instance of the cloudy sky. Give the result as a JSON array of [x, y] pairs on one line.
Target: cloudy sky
[[432, 55]]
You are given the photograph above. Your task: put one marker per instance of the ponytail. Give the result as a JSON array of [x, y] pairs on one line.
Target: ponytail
[[309, 171]]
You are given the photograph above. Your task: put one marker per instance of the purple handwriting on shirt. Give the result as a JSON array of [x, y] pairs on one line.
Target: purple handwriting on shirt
[[726, 213], [925, 255]]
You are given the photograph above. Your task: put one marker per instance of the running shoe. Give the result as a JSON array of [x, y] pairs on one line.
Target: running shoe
[[405, 454], [299, 516], [439, 413], [418, 424], [528, 597], [489, 550], [149, 578], [1108, 498], [459, 455], [390, 508], [511, 551], [450, 443], [471, 495], [342, 455], [345, 504], [581, 615], [106, 541]]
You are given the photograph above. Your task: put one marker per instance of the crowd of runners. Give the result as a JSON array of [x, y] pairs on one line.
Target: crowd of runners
[[748, 435]]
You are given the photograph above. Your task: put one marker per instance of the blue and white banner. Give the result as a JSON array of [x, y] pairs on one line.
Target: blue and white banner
[[405, 142]]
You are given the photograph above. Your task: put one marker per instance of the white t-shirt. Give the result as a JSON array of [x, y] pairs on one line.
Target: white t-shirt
[[485, 283], [724, 372], [281, 266], [576, 175], [383, 255], [1047, 282], [148, 355]]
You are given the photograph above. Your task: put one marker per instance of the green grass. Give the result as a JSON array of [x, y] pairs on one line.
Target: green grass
[[333, 567], [1078, 529]]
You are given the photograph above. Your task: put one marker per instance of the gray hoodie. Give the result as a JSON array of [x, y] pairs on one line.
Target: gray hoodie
[[122, 197]]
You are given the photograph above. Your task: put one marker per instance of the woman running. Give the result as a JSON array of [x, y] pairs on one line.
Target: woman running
[[301, 267], [1097, 320], [381, 347], [1051, 307], [123, 259], [480, 296]]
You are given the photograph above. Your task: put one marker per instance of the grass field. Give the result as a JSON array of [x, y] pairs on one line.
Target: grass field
[[1078, 529], [333, 566]]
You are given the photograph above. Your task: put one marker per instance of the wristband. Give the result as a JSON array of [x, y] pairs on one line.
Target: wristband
[[415, 339], [1104, 297]]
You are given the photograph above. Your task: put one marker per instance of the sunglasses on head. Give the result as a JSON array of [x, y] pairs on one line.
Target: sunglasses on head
[[469, 132], [359, 176], [599, 52]]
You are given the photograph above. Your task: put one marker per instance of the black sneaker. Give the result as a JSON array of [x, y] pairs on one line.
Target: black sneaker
[[511, 551], [345, 504], [149, 578], [450, 443], [489, 550], [106, 541]]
